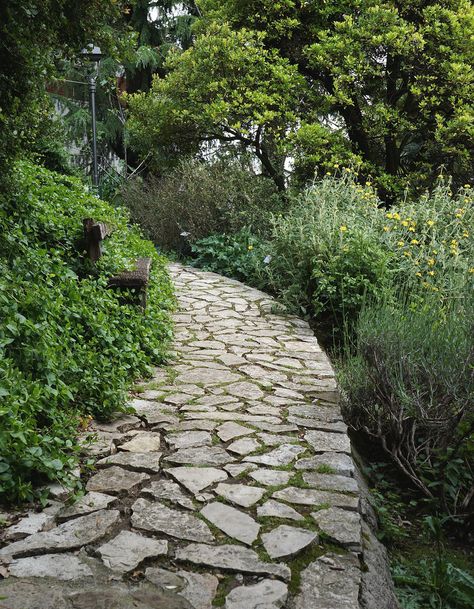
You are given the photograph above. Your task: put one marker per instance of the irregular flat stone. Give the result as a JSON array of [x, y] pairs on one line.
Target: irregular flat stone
[[271, 439], [337, 463], [126, 551], [324, 441], [122, 424], [98, 443], [68, 536], [91, 502], [330, 582], [32, 523], [264, 409], [244, 446], [198, 589], [331, 482], [278, 510], [287, 541], [309, 496], [230, 430], [214, 400], [177, 399], [115, 480], [233, 416], [232, 558], [141, 462], [65, 567], [201, 455], [166, 489], [337, 426], [232, 522], [240, 494], [188, 439], [235, 469], [268, 593], [195, 479], [153, 413], [283, 455], [245, 391], [314, 411], [271, 477], [156, 517], [284, 428], [194, 425], [341, 526], [207, 376], [142, 442]]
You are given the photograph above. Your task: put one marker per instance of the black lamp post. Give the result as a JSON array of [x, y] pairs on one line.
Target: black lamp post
[[93, 54]]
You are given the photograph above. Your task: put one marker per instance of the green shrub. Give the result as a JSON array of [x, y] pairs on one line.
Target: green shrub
[[200, 199], [68, 346], [409, 383]]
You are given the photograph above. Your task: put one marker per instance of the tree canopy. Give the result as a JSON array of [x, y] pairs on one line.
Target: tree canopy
[[385, 86]]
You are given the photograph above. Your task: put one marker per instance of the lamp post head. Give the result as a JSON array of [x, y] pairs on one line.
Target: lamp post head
[[92, 53]]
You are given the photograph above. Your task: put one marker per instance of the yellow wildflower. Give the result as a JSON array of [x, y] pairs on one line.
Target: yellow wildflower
[[400, 243], [404, 222], [368, 183], [465, 234], [414, 242], [431, 273], [389, 216], [250, 248], [467, 186], [430, 222], [431, 261], [386, 229], [343, 228], [418, 274], [396, 216], [412, 229], [454, 242], [471, 270]]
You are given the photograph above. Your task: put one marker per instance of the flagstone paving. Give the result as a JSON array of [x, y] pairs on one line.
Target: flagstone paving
[[232, 485]]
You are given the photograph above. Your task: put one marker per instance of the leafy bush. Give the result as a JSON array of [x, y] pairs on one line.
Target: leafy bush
[[68, 346], [240, 256], [411, 385], [200, 199]]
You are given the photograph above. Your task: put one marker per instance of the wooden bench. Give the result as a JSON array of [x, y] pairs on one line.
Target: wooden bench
[[136, 279]]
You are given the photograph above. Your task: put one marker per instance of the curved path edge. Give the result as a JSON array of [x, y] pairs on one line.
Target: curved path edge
[[232, 484]]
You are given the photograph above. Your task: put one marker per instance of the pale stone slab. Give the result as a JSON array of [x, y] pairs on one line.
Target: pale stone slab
[[271, 477], [32, 523], [194, 425], [201, 455], [232, 558], [341, 526], [153, 413], [195, 479], [68, 536], [331, 582], [244, 446], [284, 428], [142, 462], [268, 593], [240, 494], [278, 510], [245, 391], [230, 430], [235, 469], [197, 588], [264, 409], [323, 441], [232, 522], [287, 541], [283, 455], [325, 426], [122, 424], [309, 496], [337, 463], [98, 443], [213, 400], [65, 567], [207, 376], [91, 502], [271, 439], [234, 416], [188, 439], [315, 411], [158, 518], [171, 491], [331, 482], [115, 480], [126, 551], [142, 442]]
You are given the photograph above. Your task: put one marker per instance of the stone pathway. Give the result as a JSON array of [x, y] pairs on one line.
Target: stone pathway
[[232, 485]]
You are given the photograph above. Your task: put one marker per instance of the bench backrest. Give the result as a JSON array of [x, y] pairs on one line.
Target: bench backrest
[[94, 234]]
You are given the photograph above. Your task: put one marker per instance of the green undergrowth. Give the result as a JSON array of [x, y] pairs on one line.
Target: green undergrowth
[[69, 347]]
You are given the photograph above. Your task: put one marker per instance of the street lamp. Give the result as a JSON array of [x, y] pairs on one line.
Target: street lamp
[[93, 54]]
